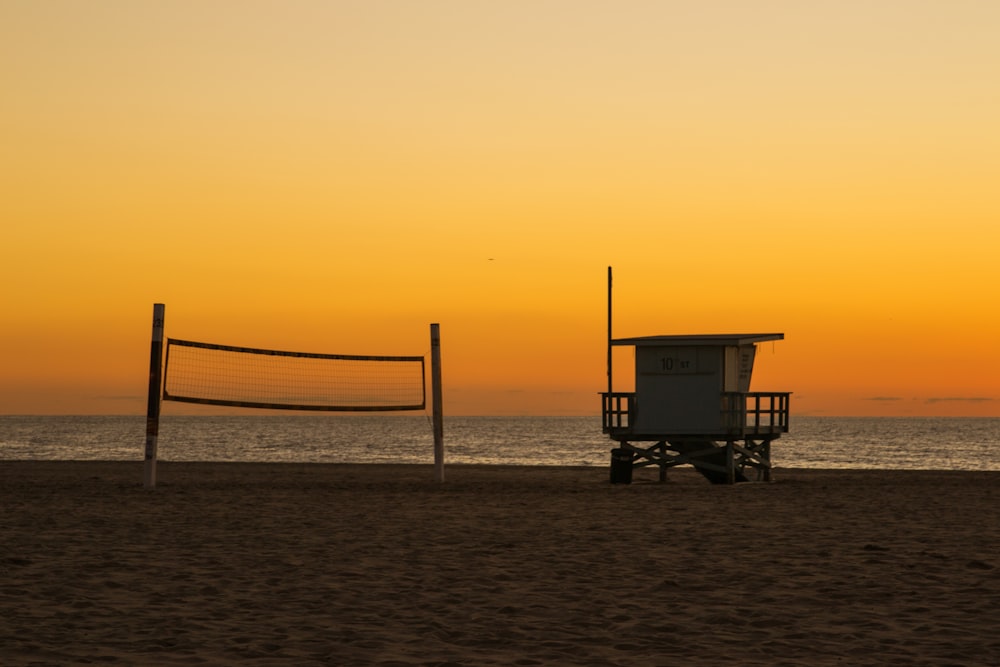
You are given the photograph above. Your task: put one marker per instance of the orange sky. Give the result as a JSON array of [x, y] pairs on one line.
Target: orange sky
[[335, 176]]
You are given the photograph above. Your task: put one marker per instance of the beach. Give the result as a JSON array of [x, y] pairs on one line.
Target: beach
[[351, 564]]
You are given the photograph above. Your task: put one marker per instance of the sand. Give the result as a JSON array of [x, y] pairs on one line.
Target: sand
[[269, 564]]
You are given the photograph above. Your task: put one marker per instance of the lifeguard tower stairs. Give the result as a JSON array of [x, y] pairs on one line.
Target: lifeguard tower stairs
[[692, 405]]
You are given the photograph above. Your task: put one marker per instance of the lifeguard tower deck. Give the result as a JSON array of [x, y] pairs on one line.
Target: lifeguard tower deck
[[692, 401]]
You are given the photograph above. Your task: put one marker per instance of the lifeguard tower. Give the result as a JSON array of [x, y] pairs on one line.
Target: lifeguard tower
[[692, 401]]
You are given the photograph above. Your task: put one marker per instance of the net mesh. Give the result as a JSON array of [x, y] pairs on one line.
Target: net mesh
[[256, 378]]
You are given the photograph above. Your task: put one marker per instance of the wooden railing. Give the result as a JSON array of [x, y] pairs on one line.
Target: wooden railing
[[742, 413], [617, 410], [755, 412]]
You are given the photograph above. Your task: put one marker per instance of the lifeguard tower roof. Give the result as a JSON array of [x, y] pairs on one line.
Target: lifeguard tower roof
[[723, 340]]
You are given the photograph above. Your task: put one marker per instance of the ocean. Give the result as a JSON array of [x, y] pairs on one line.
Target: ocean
[[922, 443]]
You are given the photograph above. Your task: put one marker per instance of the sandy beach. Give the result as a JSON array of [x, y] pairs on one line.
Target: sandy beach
[[288, 564]]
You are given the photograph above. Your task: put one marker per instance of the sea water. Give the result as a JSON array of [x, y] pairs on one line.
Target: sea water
[[813, 442]]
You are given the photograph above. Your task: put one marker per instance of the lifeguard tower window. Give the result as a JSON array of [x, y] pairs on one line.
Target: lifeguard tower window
[[691, 391]]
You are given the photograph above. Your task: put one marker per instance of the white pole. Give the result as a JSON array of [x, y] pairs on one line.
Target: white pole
[[153, 400], [436, 400]]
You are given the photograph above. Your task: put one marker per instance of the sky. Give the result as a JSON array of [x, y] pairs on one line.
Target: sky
[[336, 176]]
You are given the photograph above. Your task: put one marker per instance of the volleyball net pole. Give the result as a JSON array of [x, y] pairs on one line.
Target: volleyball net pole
[[437, 410], [153, 401]]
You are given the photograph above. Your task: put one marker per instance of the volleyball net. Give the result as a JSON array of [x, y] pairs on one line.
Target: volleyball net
[[246, 377], [249, 377]]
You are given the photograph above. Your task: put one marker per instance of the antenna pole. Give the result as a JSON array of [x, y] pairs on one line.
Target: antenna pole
[[609, 337]]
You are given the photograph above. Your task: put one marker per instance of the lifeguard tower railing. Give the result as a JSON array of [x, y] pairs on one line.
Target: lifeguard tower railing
[[741, 413]]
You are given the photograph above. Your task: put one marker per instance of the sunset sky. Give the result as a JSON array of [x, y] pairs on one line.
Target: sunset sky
[[335, 176]]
